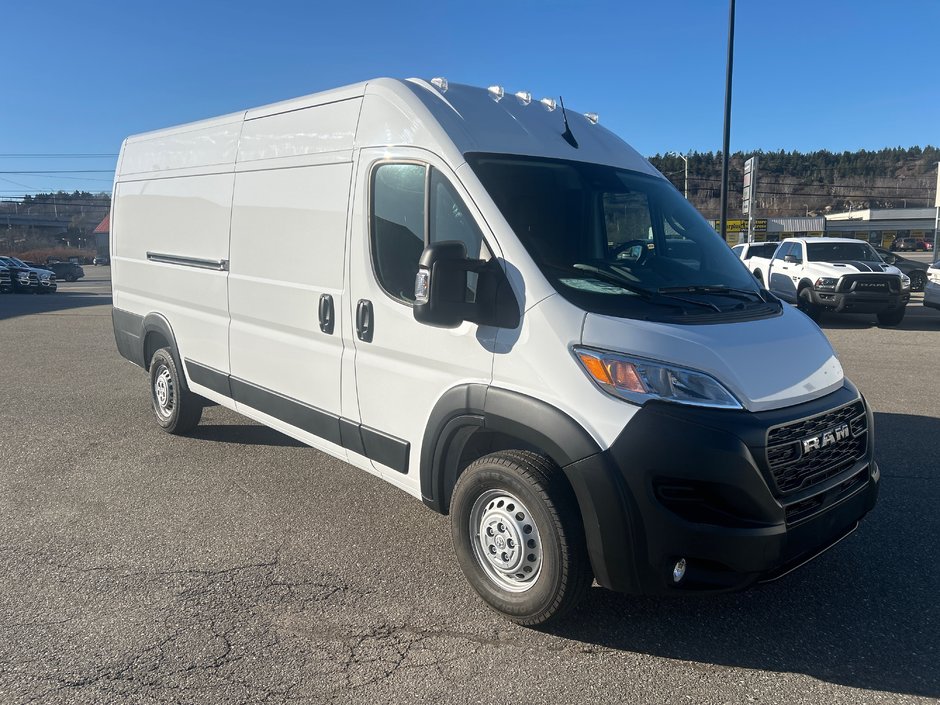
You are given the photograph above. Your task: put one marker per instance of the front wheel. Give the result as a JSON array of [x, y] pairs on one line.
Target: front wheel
[[177, 409], [518, 536], [918, 280], [804, 302], [892, 317]]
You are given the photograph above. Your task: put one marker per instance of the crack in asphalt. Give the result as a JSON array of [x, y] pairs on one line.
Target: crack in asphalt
[[257, 632]]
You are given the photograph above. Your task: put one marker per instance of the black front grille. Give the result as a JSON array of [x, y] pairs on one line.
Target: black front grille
[[869, 283], [793, 470]]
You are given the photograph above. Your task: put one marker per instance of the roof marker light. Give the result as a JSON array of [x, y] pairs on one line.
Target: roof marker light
[[592, 117], [441, 84], [497, 92], [548, 103], [524, 97]]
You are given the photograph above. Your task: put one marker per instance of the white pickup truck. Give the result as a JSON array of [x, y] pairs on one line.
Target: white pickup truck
[[757, 257], [837, 275]]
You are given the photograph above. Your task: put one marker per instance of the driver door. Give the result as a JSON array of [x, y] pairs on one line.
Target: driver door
[[406, 198]]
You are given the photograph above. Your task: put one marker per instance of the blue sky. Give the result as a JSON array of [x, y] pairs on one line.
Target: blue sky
[[828, 74]]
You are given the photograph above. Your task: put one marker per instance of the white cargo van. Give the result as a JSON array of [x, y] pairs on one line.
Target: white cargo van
[[501, 308]]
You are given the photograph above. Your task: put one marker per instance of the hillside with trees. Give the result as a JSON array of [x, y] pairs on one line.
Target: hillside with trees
[[816, 183]]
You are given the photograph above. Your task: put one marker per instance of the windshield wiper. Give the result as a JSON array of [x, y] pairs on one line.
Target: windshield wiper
[[719, 289]]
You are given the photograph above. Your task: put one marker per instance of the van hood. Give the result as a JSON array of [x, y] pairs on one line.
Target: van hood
[[766, 364]]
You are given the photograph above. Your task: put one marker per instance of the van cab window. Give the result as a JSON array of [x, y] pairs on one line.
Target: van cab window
[[406, 198], [620, 243]]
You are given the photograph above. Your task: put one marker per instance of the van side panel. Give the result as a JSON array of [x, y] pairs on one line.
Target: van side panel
[[176, 219], [288, 241]]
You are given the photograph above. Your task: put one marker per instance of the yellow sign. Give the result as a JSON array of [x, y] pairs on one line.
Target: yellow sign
[[739, 225]]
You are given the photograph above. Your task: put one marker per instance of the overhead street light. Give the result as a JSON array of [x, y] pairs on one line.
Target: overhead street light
[[686, 160]]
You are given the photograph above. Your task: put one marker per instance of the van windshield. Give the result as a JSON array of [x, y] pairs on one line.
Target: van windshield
[[619, 242]]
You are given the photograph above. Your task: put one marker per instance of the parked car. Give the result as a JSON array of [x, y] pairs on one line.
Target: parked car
[[917, 271], [25, 279], [100, 261], [908, 244], [757, 256], [6, 281], [66, 270], [932, 290]]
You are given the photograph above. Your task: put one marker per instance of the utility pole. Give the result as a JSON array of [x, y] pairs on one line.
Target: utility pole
[[726, 142], [936, 222], [686, 160]]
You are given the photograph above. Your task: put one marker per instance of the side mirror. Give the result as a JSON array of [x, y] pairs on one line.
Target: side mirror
[[890, 259], [451, 289], [792, 259]]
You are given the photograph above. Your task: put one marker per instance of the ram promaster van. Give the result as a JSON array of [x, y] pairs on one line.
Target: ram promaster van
[[498, 306]]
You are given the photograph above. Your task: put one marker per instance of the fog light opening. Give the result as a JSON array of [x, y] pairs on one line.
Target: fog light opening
[[678, 570]]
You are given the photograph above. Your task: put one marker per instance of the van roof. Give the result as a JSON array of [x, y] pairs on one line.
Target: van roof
[[452, 119]]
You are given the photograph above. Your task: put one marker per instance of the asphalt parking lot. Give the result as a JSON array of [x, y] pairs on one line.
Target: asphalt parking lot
[[237, 566]]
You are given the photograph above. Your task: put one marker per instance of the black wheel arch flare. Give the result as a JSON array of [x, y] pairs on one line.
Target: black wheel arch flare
[[603, 502]]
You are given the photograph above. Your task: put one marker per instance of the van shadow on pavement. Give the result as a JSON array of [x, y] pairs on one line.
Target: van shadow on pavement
[[12, 305], [864, 614]]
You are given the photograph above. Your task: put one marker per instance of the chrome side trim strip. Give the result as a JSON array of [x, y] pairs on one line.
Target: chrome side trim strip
[[219, 265]]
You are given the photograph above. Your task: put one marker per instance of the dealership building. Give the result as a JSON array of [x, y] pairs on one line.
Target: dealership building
[[882, 226], [879, 226]]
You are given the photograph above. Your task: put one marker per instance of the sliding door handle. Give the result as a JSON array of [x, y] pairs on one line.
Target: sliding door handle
[[326, 314]]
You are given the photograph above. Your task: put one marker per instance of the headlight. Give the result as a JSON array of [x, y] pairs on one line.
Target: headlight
[[44, 277], [826, 283], [905, 281], [639, 381]]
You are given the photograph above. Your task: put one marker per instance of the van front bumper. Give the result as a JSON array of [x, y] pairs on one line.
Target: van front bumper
[[697, 484]]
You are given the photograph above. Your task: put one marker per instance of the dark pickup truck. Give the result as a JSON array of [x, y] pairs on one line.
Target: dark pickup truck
[[25, 279]]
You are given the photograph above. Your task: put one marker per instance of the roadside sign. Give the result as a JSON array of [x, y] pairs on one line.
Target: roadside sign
[[739, 225]]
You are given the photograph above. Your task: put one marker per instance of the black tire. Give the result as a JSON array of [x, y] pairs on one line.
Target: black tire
[[892, 317], [71, 278], [918, 280], [759, 277], [804, 302], [542, 569], [177, 409]]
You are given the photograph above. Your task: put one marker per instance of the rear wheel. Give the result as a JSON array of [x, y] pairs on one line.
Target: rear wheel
[[804, 302], [71, 278], [177, 409], [892, 317], [518, 536]]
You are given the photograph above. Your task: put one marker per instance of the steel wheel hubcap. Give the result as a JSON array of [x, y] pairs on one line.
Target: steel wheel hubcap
[[506, 540], [163, 391]]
